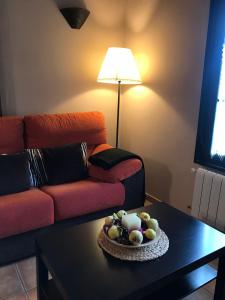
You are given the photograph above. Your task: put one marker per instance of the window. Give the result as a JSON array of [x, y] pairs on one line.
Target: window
[[218, 141], [210, 143]]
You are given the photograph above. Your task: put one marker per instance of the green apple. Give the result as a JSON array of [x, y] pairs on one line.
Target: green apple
[[135, 237], [121, 213], [152, 224], [150, 234], [113, 232], [144, 216], [109, 220]]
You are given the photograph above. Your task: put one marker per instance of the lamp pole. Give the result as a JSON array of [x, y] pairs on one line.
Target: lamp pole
[[118, 114]]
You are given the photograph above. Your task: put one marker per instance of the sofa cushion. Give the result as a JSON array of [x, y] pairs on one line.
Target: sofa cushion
[[14, 173], [65, 164], [11, 135], [120, 172], [25, 211], [59, 129], [83, 197]]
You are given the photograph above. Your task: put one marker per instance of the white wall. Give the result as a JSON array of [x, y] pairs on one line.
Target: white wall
[[159, 118], [48, 67]]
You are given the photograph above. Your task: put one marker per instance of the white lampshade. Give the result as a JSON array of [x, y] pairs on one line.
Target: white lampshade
[[119, 66]]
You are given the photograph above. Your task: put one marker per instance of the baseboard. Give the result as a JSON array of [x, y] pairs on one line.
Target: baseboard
[[151, 198]]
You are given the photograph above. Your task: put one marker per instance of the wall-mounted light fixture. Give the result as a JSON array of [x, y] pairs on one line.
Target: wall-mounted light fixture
[[75, 16]]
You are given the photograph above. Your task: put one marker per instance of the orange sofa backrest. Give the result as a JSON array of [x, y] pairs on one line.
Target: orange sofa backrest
[[49, 130], [11, 134]]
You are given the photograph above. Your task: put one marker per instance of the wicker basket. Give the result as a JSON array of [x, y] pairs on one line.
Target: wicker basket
[[147, 251]]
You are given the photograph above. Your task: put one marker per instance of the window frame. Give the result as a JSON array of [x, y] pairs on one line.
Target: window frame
[[210, 85]]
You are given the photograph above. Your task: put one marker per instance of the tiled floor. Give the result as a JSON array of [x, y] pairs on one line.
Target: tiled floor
[[18, 282]]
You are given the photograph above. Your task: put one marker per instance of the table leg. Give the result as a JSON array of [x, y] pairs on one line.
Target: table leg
[[220, 281], [42, 278]]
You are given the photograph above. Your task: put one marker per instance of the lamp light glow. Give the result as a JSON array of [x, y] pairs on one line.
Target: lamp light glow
[[119, 66]]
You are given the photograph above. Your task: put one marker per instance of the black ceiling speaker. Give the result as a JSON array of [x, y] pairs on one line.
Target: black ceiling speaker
[[75, 16]]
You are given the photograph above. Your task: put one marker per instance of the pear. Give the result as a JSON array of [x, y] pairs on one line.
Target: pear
[[144, 216], [150, 234], [115, 217], [113, 232], [121, 213], [135, 237], [152, 224]]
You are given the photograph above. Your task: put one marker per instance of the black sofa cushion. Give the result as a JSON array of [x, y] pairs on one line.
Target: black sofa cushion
[[14, 173], [65, 163]]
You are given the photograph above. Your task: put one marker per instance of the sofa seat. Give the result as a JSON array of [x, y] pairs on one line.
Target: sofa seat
[[21, 212], [83, 197]]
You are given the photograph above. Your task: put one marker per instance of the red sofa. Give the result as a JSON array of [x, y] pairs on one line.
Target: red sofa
[[25, 214]]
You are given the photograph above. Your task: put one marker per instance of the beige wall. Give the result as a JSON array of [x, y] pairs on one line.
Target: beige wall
[[159, 118], [48, 67]]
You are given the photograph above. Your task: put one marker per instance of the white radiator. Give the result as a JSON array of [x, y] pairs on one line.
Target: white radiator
[[209, 198]]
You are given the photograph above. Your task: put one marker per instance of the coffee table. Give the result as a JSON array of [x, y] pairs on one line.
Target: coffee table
[[80, 269]]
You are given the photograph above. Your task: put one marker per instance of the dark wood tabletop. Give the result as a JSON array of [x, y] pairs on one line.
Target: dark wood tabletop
[[82, 270]]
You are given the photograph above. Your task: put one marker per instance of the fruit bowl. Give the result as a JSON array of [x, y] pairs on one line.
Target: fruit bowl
[[134, 230], [130, 246]]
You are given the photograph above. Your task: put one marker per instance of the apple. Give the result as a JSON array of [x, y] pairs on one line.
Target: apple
[[144, 216], [109, 220], [113, 232], [135, 237], [150, 234], [121, 213], [152, 224]]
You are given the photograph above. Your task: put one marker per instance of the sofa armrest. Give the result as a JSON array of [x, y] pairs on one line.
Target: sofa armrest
[[100, 148], [119, 172]]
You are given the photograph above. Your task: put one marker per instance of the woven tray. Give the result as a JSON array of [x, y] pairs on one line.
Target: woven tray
[[151, 251]]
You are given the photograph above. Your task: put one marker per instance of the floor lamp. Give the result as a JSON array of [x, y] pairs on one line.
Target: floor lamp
[[119, 67]]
